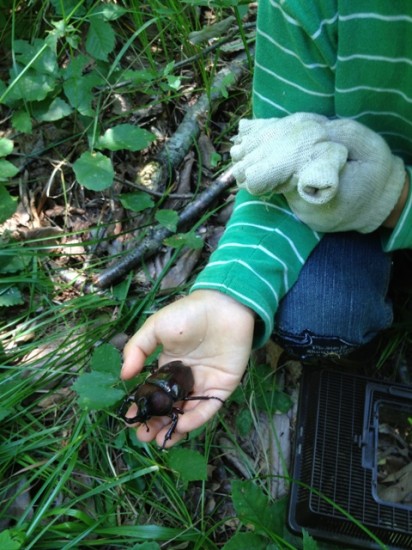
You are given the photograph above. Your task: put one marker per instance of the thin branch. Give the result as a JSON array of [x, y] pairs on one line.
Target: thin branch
[[151, 244]]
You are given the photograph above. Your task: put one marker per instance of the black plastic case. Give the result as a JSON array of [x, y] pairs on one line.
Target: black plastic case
[[334, 494]]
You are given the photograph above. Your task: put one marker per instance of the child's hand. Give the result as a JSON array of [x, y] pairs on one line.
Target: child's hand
[[208, 331]]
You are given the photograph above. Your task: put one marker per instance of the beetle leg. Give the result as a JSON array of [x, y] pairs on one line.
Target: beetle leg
[[174, 415]]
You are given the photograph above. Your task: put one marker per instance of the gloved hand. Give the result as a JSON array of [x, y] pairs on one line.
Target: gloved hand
[[276, 154], [327, 194], [370, 183]]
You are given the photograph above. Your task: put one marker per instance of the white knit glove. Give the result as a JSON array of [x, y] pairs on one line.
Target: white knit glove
[[278, 154], [340, 176]]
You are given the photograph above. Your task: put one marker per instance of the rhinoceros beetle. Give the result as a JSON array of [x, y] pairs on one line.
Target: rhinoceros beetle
[[158, 394]]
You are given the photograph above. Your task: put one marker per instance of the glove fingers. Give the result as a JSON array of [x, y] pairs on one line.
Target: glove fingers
[[259, 132]]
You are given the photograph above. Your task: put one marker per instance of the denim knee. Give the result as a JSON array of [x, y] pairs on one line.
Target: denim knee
[[339, 302]]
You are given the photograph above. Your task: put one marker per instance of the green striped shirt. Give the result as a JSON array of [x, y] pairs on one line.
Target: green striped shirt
[[339, 58]]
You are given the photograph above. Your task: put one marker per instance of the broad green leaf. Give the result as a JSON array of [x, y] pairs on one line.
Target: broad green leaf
[[30, 86], [191, 465], [76, 66], [78, 91], [246, 541], [11, 262], [106, 358], [190, 239], [174, 82], [96, 390], [8, 204], [94, 171], [6, 147], [145, 76], [244, 422], [167, 218], [100, 39], [50, 112], [38, 55], [125, 136], [10, 296], [8, 541], [7, 170], [273, 401], [254, 507], [21, 121], [137, 201]]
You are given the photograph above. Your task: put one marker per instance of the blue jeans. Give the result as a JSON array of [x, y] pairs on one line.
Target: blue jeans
[[339, 303]]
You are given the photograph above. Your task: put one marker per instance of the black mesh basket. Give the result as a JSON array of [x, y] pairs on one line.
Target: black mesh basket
[[335, 494]]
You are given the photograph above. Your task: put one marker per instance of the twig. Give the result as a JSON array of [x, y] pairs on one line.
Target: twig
[[150, 244], [176, 148], [160, 194]]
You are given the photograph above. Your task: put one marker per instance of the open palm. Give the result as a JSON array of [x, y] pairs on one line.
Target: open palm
[[208, 331]]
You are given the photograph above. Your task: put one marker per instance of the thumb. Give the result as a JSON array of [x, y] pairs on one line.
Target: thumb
[[137, 349], [318, 181]]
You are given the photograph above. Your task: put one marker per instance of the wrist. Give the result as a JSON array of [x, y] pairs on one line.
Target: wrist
[[394, 216]]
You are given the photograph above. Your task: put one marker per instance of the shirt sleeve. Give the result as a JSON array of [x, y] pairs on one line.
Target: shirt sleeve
[[259, 257], [401, 235]]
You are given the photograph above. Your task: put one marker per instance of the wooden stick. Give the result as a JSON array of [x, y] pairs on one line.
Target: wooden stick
[[151, 244], [177, 147]]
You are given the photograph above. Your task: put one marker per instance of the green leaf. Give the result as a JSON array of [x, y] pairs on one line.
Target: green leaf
[[190, 239], [8, 204], [254, 507], [137, 201], [191, 465], [6, 147], [10, 296], [78, 91], [96, 390], [246, 541], [309, 543], [12, 262], [39, 55], [76, 66], [94, 171], [273, 401], [7, 170], [106, 358], [8, 541], [31, 86], [109, 12], [144, 76], [167, 218], [49, 112], [244, 422], [125, 136], [100, 39], [4, 412], [21, 121]]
